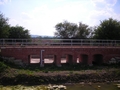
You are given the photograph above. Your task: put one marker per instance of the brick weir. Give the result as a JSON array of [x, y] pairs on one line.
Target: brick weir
[[73, 54]]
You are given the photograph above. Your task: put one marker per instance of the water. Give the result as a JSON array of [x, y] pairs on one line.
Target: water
[[98, 86]]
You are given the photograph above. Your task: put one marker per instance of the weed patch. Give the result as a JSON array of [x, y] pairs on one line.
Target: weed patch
[[3, 67]]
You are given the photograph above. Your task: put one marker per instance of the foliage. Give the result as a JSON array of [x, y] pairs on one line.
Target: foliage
[[44, 76], [3, 66], [4, 26], [67, 30], [83, 31], [18, 32], [108, 29]]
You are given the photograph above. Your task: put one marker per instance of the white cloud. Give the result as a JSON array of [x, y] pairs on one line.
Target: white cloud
[[111, 2], [103, 9], [13, 21], [4, 1], [59, 0], [41, 20], [104, 3]]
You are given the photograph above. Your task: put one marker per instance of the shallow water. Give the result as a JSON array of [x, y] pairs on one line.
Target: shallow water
[[98, 86]]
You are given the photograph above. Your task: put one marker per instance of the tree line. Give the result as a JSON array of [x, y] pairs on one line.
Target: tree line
[[12, 32], [109, 29]]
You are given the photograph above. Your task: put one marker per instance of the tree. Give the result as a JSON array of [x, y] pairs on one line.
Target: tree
[[72, 30], [4, 26], [18, 32], [108, 29], [65, 30], [83, 31]]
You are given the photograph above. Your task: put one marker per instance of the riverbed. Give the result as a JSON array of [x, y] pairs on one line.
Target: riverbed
[[81, 86]]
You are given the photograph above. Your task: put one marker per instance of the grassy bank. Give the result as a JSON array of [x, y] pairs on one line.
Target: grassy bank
[[11, 74]]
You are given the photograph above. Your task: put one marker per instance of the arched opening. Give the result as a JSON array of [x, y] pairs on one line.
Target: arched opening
[[49, 59], [63, 59], [78, 61], [34, 59], [84, 59], [66, 59], [69, 59], [97, 59]]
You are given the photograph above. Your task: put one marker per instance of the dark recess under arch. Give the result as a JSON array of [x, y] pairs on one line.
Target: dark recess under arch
[[84, 59], [97, 59]]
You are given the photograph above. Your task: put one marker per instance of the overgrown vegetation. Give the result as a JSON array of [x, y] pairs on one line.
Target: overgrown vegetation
[[65, 67], [11, 74], [3, 67]]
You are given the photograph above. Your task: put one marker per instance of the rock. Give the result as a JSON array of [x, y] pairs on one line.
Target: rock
[[99, 86], [56, 87], [118, 86]]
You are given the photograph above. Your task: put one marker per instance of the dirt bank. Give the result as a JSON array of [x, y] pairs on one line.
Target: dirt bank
[[58, 77]]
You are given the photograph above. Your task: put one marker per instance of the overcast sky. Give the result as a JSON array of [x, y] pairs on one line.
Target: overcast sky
[[41, 16]]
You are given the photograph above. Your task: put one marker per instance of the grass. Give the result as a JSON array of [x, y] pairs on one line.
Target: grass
[[37, 73], [12, 70]]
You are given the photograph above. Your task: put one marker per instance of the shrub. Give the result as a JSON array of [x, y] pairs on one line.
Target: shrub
[[3, 66]]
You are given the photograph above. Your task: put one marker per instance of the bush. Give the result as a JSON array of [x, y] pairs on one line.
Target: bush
[[3, 66]]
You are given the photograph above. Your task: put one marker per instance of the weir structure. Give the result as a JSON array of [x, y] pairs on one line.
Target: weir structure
[[55, 51]]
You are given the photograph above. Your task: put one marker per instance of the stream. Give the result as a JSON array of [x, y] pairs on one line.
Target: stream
[[82, 86]]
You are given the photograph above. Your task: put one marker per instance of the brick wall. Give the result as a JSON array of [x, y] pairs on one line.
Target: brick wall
[[72, 53]]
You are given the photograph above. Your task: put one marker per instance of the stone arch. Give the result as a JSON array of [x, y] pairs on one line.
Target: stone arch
[[97, 59]]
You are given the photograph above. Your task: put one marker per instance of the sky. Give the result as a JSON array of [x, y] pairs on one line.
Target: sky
[[41, 16]]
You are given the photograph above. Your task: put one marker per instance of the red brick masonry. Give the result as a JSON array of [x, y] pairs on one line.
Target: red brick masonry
[[86, 54]]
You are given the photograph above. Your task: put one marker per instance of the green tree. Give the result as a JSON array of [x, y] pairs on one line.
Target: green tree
[[65, 30], [108, 29], [18, 32], [83, 31], [4, 26], [72, 30]]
